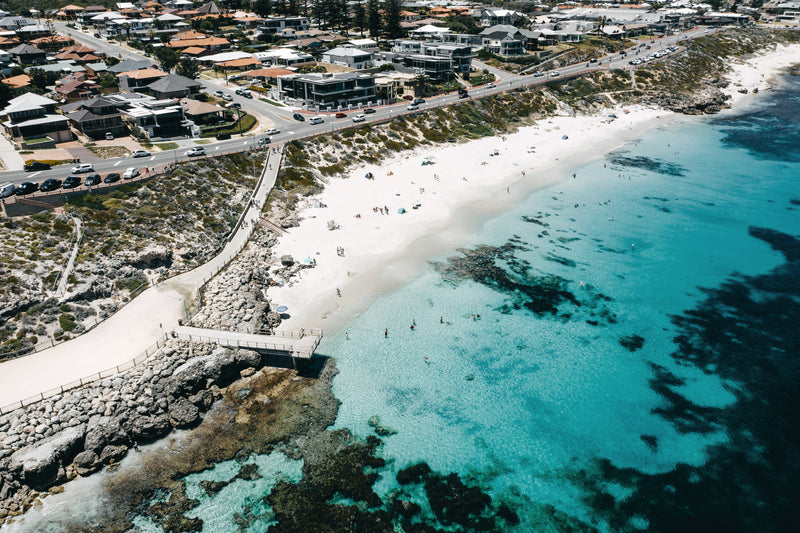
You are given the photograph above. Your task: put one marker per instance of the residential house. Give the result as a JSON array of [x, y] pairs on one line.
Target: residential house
[[28, 55], [273, 25], [53, 42], [69, 12], [97, 70], [79, 54], [159, 118], [493, 16], [242, 63], [17, 82], [138, 80], [202, 112], [506, 40], [209, 44], [15, 23], [127, 65], [334, 91], [367, 45], [175, 86], [264, 74], [283, 56], [5, 57], [32, 31], [32, 116], [439, 61], [409, 16], [96, 117], [7, 43], [348, 56], [429, 31], [76, 87], [209, 8]]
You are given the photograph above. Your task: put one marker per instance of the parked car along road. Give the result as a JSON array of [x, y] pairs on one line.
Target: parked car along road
[[92, 180], [111, 178], [130, 173], [36, 165], [6, 190], [50, 184], [26, 187], [71, 182]]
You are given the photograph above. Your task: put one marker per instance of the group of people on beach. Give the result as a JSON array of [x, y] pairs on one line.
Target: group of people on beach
[[382, 210], [340, 251]]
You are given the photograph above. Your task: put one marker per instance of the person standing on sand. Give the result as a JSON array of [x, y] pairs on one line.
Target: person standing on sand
[[386, 333]]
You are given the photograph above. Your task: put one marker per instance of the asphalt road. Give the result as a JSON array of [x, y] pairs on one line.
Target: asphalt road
[[291, 129]]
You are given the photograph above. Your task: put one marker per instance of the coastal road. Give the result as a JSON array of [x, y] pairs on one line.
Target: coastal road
[[291, 129]]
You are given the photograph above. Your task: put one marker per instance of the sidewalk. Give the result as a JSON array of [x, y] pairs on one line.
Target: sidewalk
[[132, 329], [12, 160]]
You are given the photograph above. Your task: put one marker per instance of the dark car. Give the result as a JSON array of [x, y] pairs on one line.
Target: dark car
[[50, 185], [92, 180], [463, 95], [298, 116], [26, 188], [36, 165], [419, 101], [369, 111], [71, 182], [223, 136], [111, 178]]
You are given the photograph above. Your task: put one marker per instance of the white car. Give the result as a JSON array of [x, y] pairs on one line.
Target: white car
[[130, 173], [555, 74], [412, 107], [197, 150], [84, 167], [140, 153], [219, 94], [227, 97], [490, 85], [316, 120], [273, 131], [359, 118]]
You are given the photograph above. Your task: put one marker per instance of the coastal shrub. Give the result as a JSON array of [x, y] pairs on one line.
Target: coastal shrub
[[66, 322]]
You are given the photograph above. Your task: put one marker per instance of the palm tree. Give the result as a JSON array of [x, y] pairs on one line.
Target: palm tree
[[420, 83]]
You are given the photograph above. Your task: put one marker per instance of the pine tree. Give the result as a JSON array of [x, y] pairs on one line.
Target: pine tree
[[393, 29], [360, 18], [373, 18]]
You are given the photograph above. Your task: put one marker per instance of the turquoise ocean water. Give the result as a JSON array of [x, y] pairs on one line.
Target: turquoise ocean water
[[621, 346]]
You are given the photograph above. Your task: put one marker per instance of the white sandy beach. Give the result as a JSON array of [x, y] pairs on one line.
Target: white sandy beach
[[759, 72], [464, 187]]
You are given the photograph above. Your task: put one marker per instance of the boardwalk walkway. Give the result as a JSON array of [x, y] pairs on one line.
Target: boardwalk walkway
[[290, 343]]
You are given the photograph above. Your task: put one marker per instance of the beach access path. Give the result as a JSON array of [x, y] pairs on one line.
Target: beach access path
[[136, 326]]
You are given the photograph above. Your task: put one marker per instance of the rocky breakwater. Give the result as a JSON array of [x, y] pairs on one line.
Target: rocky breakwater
[[81, 431], [236, 300]]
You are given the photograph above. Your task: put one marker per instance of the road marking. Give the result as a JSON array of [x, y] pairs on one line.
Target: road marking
[[152, 158], [244, 143], [216, 148], [35, 174], [117, 163]]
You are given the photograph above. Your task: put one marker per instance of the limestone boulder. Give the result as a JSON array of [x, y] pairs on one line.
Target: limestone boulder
[[40, 463]]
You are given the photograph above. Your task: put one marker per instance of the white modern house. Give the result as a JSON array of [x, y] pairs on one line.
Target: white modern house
[[348, 56]]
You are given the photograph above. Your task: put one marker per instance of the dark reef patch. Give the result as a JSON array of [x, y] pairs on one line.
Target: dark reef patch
[[632, 342], [646, 163], [745, 331]]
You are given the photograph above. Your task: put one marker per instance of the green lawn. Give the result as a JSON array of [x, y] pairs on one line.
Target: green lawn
[[167, 146]]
